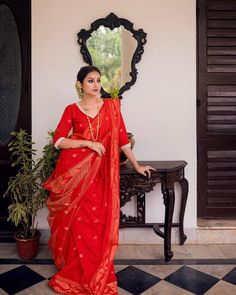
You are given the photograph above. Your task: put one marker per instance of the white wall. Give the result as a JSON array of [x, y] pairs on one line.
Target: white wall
[[160, 109]]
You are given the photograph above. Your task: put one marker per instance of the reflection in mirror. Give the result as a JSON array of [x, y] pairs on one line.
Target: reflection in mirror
[[112, 51], [114, 46]]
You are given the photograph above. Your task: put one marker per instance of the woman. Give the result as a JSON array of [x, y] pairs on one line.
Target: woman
[[84, 191]]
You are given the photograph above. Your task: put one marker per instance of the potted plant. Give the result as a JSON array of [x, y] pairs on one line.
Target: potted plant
[[26, 191]]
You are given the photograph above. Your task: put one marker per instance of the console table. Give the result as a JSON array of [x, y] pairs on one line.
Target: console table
[[167, 173]]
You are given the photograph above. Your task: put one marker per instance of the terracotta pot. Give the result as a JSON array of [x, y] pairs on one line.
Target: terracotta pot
[[28, 248], [123, 158]]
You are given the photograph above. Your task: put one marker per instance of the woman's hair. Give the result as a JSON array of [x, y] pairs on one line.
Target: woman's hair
[[84, 71]]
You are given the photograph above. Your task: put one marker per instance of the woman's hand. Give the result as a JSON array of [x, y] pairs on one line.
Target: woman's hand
[[97, 147], [144, 170]]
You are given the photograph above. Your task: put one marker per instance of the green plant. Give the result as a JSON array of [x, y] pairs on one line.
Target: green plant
[[49, 158], [25, 188]]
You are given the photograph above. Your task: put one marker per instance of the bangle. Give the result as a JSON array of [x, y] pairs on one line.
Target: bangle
[[91, 145]]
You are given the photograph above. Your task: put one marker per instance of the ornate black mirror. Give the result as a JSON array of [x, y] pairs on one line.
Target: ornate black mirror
[[114, 47]]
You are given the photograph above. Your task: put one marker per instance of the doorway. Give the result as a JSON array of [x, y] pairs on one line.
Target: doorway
[[15, 90]]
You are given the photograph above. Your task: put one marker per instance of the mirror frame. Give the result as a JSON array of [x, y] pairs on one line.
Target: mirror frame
[[112, 21]]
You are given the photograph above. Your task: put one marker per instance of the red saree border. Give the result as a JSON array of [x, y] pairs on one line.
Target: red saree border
[[111, 242], [70, 287]]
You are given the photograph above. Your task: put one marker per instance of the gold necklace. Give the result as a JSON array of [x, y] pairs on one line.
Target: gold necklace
[[94, 138], [91, 128]]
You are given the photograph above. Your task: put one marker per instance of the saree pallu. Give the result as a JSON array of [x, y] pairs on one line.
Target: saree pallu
[[84, 211]]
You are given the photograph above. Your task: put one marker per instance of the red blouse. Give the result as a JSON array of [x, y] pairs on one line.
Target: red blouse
[[74, 120]]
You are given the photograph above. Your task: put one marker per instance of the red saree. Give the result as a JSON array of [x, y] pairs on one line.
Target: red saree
[[84, 204]]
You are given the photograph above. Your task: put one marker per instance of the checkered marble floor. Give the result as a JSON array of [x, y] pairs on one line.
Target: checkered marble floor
[[140, 269]]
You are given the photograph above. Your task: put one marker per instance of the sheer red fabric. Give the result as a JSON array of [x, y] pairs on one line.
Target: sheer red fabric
[[84, 204]]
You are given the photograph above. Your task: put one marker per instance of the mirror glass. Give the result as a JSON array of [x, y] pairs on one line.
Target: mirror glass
[[112, 52], [115, 47]]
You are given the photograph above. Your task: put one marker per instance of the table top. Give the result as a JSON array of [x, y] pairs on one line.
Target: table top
[[160, 166]]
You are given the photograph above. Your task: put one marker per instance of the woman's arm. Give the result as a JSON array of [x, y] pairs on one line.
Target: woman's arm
[[126, 148], [68, 143], [144, 170]]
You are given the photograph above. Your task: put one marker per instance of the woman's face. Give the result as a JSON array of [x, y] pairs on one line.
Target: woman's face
[[92, 84]]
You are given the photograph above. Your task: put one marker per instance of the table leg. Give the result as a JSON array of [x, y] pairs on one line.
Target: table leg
[[169, 202], [184, 195], [141, 207]]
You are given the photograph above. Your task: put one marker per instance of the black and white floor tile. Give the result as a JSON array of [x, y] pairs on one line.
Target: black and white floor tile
[[147, 276]]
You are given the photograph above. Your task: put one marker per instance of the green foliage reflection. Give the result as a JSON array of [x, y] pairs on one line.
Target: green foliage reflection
[[104, 46]]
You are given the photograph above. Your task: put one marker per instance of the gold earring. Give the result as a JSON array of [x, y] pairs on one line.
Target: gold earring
[[79, 89]]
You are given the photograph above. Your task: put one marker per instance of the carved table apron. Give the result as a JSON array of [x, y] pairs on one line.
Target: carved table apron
[[167, 173]]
